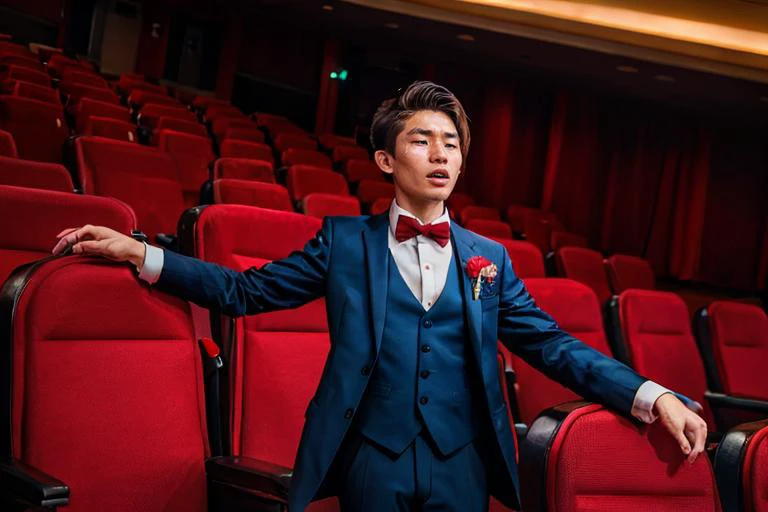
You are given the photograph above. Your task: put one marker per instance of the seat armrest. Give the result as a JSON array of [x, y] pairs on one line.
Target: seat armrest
[[721, 401], [169, 242], [23, 484], [252, 476]]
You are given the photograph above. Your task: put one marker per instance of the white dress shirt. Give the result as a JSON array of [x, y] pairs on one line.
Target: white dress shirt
[[423, 265]]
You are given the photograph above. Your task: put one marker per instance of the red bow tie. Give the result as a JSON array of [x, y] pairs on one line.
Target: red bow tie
[[408, 227]]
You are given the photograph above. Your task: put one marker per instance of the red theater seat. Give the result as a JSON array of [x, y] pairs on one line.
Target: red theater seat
[[127, 85], [357, 170], [489, 228], [526, 258], [27, 173], [152, 112], [75, 92], [110, 128], [369, 191], [193, 155], [203, 102], [38, 128], [32, 91], [244, 149], [343, 153], [302, 180], [25, 74], [7, 145], [252, 193], [330, 141], [39, 215], [214, 112], [78, 75], [380, 205], [248, 134], [585, 266], [457, 201], [220, 125], [471, 212], [88, 107], [579, 457], [560, 239], [741, 468], [21, 61], [286, 141], [243, 169], [322, 205], [296, 156], [625, 272], [141, 97], [178, 125]]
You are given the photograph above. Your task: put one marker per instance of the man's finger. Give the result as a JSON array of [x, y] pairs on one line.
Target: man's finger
[[88, 247], [700, 443], [66, 232], [685, 446]]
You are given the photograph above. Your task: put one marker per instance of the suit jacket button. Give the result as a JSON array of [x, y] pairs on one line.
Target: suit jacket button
[[424, 400], [425, 348], [427, 323], [424, 374], [348, 413]]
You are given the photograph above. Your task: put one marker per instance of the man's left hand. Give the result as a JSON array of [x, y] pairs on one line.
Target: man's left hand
[[687, 427]]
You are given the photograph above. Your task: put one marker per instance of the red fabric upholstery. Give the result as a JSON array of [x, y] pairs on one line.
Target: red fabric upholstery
[[38, 128], [739, 334], [657, 332], [88, 107], [344, 153], [216, 111], [457, 201], [380, 205], [7, 145], [263, 119], [145, 178], [370, 190], [625, 272], [193, 155], [26, 173], [142, 97], [80, 76], [178, 125], [202, 102], [295, 156], [110, 128], [576, 309], [75, 92], [471, 212], [560, 239], [286, 141], [306, 179], [632, 467], [26, 75], [122, 397], [516, 217], [252, 193], [220, 125], [320, 205], [22, 61], [330, 141], [755, 472], [34, 92], [34, 218], [152, 112], [249, 134], [356, 170], [489, 228], [129, 84], [243, 169], [585, 266], [526, 258], [244, 149]]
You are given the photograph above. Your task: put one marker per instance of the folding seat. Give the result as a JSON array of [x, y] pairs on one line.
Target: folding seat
[[302, 180], [7, 145], [178, 125], [59, 63], [32, 91], [110, 128], [380, 205], [193, 155], [286, 141], [321, 205], [470, 212], [221, 124], [733, 339], [146, 178], [140, 97], [27, 173], [243, 169], [130, 86], [263, 119], [244, 149], [457, 201], [248, 134], [516, 218], [579, 457], [79, 76], [252, 193], [585, 266], [73, 93], [526, 258], [741, 468], [151, 112], [203, 102], [489, 228], [341, 154], [538, 230], [560, 239], [217, 111], [21, 61], [356, 170], [34, 217], [88, 107], [25, 75], [576, 309], [625, 272], [369, 191], [45, 52], [330, 141], [295, 156], [38, 128]]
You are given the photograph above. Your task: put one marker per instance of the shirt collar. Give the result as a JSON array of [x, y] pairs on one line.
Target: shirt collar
[[395, 211]]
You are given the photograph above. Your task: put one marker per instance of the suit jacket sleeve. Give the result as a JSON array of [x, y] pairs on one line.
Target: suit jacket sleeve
[[533, 335], [286, 283]]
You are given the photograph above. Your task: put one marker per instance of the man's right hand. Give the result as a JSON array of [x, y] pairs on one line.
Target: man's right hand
[[101, 241]]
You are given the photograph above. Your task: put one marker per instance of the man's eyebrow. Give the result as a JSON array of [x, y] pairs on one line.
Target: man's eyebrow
[[430, 133]]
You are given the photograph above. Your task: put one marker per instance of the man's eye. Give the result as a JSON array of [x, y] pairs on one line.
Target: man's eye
[[420, 142], [452, 146]]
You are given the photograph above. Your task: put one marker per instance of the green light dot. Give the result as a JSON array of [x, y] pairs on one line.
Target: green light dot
[[343, 74], [334, 75]]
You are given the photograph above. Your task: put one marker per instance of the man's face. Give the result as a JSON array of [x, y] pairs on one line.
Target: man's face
[[427, 158]]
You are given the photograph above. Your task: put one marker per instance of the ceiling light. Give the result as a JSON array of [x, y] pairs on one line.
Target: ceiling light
[[664, 78], [327, 7], [465, 37], [392, 25], [627, 69]]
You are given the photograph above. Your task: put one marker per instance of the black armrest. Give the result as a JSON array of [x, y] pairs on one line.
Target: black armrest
[[252, 476], [24, 484], [169, 242], [721, 401], [521, 429]]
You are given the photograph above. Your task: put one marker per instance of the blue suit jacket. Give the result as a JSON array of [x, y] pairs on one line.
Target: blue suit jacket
[[346, 263]]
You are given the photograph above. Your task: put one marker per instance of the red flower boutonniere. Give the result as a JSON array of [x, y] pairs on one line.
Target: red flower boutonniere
[[479, 268]]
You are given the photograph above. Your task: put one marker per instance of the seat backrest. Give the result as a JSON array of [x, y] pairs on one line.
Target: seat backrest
[[286, 141], [457, 201], [245, 149], [526, 258], [321, 205], [241, 133], [343, 153], [330, 140], [34, 217], [220, 125], [277, 358], [216, 111], [243, 169], [562, 239], [145, 178], [105, 372], [575, 308], [294, 156], [380, 205], [585, 266], [741, 467], [80, 76], [489, 228], [252, 193], [625, 272], [471, 212], [75, 92], [35, 92], [141, 97], [656, 330], [193, 155], [27, 173], [177, 125], [356, 170], [573, 460], [370, 190], [152, 112], [25, 74], [201, 102], [736, 339], [88, 107], [38, 128], [302, 180], [110, 128], [516, 217], [7, 145]]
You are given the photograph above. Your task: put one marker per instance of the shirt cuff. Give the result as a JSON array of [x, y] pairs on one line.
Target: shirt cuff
[[645, 398], [154, 257]]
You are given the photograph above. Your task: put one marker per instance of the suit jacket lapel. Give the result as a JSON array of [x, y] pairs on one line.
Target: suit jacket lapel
[[465, 249], [377, 258]]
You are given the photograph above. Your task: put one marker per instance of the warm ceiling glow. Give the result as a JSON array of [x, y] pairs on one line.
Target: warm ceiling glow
[[664, 78], [642, 22], [327, 7], [627, 69], [466, 37], [392, 25]]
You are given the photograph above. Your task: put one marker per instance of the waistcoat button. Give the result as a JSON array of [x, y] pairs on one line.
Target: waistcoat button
[[424, 400], [427, 323]]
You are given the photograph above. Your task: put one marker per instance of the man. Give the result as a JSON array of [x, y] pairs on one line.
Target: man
[[409, 414]]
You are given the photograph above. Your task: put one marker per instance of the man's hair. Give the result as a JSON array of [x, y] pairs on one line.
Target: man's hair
[[392, 114]]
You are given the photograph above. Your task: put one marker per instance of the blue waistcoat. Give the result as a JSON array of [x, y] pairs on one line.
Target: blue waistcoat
[[424, 378]]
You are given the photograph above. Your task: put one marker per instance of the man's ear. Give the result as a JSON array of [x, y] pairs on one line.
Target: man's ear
[[384, 161]]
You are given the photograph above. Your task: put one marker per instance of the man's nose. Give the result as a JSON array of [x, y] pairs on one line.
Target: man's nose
[[438, 154]]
